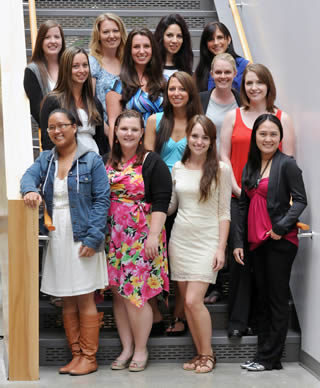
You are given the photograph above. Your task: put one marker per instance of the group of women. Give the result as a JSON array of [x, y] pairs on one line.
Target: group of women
[[135, 101]]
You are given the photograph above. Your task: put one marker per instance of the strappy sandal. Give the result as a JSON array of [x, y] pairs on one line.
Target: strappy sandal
[[177, 333], [193, 363], [206, 361], [213, 297]]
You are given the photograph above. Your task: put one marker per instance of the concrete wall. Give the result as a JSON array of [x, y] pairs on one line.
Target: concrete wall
[[284, 35]]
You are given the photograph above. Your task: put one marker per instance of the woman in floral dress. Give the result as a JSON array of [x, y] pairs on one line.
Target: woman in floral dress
[[137, 260]]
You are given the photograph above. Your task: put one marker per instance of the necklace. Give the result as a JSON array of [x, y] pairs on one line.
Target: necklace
[[263, 171]]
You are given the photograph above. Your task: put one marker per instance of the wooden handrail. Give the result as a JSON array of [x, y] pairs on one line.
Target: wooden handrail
[[33, 22], [241, 33]]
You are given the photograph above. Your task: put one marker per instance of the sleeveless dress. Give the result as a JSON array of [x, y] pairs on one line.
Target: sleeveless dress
[[195, 233], [140, 101], [137, 277], [65, 273]]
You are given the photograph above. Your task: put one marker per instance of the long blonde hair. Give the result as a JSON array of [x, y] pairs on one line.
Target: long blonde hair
[[95, 44]]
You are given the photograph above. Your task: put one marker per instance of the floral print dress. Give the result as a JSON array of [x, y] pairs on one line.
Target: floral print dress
[[137, 277]]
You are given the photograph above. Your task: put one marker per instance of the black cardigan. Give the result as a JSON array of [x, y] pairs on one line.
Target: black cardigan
[[205, 98], [51, 103], [285, 182], [34, 93], [157, 182]]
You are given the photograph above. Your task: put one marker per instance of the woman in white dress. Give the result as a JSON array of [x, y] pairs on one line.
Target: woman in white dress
[[75, 188], [201, 192]]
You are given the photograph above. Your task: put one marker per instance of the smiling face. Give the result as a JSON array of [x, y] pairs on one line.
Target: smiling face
[[268, 138], [129, 133], [109, 34], [173, 39], [255, 89], [141, 50], [198, 141], [60, 130], [223, 74], [219, 43], [80, 69], [177, 94], [52, 42]]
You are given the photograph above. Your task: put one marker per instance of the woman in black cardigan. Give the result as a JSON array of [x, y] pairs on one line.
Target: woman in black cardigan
[[74, 92], [270, 181], [140, 184]]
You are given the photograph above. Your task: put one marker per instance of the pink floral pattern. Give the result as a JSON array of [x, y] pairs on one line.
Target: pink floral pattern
[[136, 277]]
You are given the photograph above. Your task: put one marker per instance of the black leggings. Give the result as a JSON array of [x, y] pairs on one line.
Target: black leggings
[[272, 263]]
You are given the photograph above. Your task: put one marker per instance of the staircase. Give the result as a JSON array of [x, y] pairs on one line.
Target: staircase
[[76, 18]]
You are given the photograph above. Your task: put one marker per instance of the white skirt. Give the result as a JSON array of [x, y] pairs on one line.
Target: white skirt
[[64, 272]]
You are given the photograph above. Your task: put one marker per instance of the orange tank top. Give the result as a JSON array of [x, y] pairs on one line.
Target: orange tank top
[[240, 144]]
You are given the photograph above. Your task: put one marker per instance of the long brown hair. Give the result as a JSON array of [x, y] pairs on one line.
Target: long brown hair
[[128, 75], [38, 56], [265, 76], [210, 170], [116, 152], [95, 45], [63, 90], [193, 107]]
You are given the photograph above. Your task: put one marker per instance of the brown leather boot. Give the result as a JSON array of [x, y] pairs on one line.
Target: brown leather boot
[[71, 325], [89, 342]]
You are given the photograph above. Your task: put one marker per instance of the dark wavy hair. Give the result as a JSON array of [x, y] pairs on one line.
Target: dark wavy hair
[[116, 151], [251, 171], [153, 71], [193, 107], [183, 59], [38, 56], [210, 170], [66, 112], [203, 69], [265, 76], [64, 88]]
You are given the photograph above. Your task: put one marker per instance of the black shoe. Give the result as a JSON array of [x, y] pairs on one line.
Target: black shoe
[[235, 333], [158, 328], [177, 333]]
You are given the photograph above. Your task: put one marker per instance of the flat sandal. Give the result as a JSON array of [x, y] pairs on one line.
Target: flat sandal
[[193, 362], [203, 362]]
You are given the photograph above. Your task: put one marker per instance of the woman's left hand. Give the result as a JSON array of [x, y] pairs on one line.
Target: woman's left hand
[[218, 260], [85, 251], [151, 246], [273, 235]]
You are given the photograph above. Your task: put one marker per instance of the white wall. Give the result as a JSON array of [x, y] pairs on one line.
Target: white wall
[[284, 35]]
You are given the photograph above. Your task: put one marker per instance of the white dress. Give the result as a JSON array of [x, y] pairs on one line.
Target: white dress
[[86, 132], [64, 272], [195, 233]]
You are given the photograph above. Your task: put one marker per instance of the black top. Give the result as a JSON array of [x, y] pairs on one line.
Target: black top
[[34, 93], [205, 98], [157, 182], [51, 103], [285, 182]]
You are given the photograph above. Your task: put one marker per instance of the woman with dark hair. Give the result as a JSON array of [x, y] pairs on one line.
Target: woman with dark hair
[[173, 37], [108, 39], [137, 260], [41, 74], [258, 93], [201, 193], [141, 81], [216, 39], [166, 134], [74, 92], [75, 188], [270, 181]]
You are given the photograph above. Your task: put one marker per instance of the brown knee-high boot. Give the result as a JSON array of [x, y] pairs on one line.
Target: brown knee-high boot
[[89, 342], [71, 325]]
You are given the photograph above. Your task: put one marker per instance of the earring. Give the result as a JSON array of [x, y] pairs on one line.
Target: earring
[[117, 141]]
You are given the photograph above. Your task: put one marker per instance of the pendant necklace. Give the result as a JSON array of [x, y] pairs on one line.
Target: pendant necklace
[[264, 170]]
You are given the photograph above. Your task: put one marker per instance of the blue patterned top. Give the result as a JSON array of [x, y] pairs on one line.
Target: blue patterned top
[[104, 80], [172, 151], [140, 101]]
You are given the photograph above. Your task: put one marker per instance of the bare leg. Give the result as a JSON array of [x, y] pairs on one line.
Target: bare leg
[[86, 304], [178, 310], [140, 322], [201, 320], [123, 325], [157, 316], [69, 304]]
